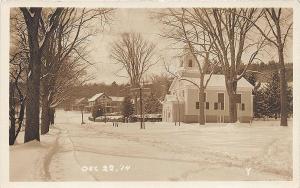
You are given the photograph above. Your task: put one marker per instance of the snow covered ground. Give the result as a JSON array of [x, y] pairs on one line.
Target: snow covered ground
[[101, 152]]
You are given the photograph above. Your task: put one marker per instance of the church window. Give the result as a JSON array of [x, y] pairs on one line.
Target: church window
[[197, 105], [190, 63]]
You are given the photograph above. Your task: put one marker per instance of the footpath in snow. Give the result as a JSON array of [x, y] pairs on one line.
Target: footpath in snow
[[100, 152]]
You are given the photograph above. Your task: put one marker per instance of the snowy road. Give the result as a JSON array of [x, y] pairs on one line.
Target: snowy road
[[100, 152]]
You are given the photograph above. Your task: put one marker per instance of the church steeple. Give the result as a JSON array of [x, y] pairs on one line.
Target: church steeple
[[188, 65], [188, 61]]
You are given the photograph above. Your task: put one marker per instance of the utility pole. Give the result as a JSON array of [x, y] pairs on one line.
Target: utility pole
[[81, 108], [141, 109], [178, 105], [104, 111], [141, 89], [199, 115]]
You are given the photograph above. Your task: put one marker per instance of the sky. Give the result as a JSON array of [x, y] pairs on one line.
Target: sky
[[126, 20], [139, 21]]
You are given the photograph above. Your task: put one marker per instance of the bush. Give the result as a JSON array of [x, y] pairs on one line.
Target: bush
[[97, 111], [127, 107]]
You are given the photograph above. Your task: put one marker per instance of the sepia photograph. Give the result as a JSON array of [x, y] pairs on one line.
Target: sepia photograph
[[175, 94]]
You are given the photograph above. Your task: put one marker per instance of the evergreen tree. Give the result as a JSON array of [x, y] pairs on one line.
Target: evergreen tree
[[152, 104], [97, 111], [128, 107], [260, 103], [273, 95], [290, 101], [259, 96], [267, 99]]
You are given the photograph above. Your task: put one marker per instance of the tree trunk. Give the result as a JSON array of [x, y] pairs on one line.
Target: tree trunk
[[283, 90], [12, 132], [32, 130], [33, 78], [12, 128], [232, 103], [52, 114], [201, 103], [45, 118], [21, 116], [33, 98], [32, 19]]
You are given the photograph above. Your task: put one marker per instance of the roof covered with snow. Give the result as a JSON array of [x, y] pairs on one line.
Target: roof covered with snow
[[117, 99], [173, 98], [80, 100], [216, 80], [95, 97]]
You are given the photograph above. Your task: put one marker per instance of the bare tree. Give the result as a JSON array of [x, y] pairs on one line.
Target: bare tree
[[231, 31], [65, 60], [16, 96], [135, 55], [34, 21], [19, 58], [185, 30], [279, 26]]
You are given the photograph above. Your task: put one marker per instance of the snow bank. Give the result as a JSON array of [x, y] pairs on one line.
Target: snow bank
[[29, 161]]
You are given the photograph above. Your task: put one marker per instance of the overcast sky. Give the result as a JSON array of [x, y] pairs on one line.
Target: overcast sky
[[132, 20], [125, 20]]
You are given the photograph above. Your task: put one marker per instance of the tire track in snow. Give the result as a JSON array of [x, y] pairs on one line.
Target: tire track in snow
[[48, 157], [219, 159], [267, 152], [213, 158], [92, 150], [77, 161], [73, 149], [209, 158]]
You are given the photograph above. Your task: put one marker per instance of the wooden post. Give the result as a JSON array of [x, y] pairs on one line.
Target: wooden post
[[141, 108]]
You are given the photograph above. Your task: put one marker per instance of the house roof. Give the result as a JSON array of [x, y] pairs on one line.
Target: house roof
[[173, 98], [95, 97], [80, 100], [216, 80], [117, 99]]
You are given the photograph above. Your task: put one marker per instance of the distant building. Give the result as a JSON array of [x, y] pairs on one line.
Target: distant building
[[183, 101], [116, 104], [110, 104], [98, 99]]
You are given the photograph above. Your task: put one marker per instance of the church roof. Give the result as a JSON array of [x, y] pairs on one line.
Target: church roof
[[216, 80]]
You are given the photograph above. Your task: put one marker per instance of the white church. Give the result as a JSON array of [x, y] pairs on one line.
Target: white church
[[182, 104]]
